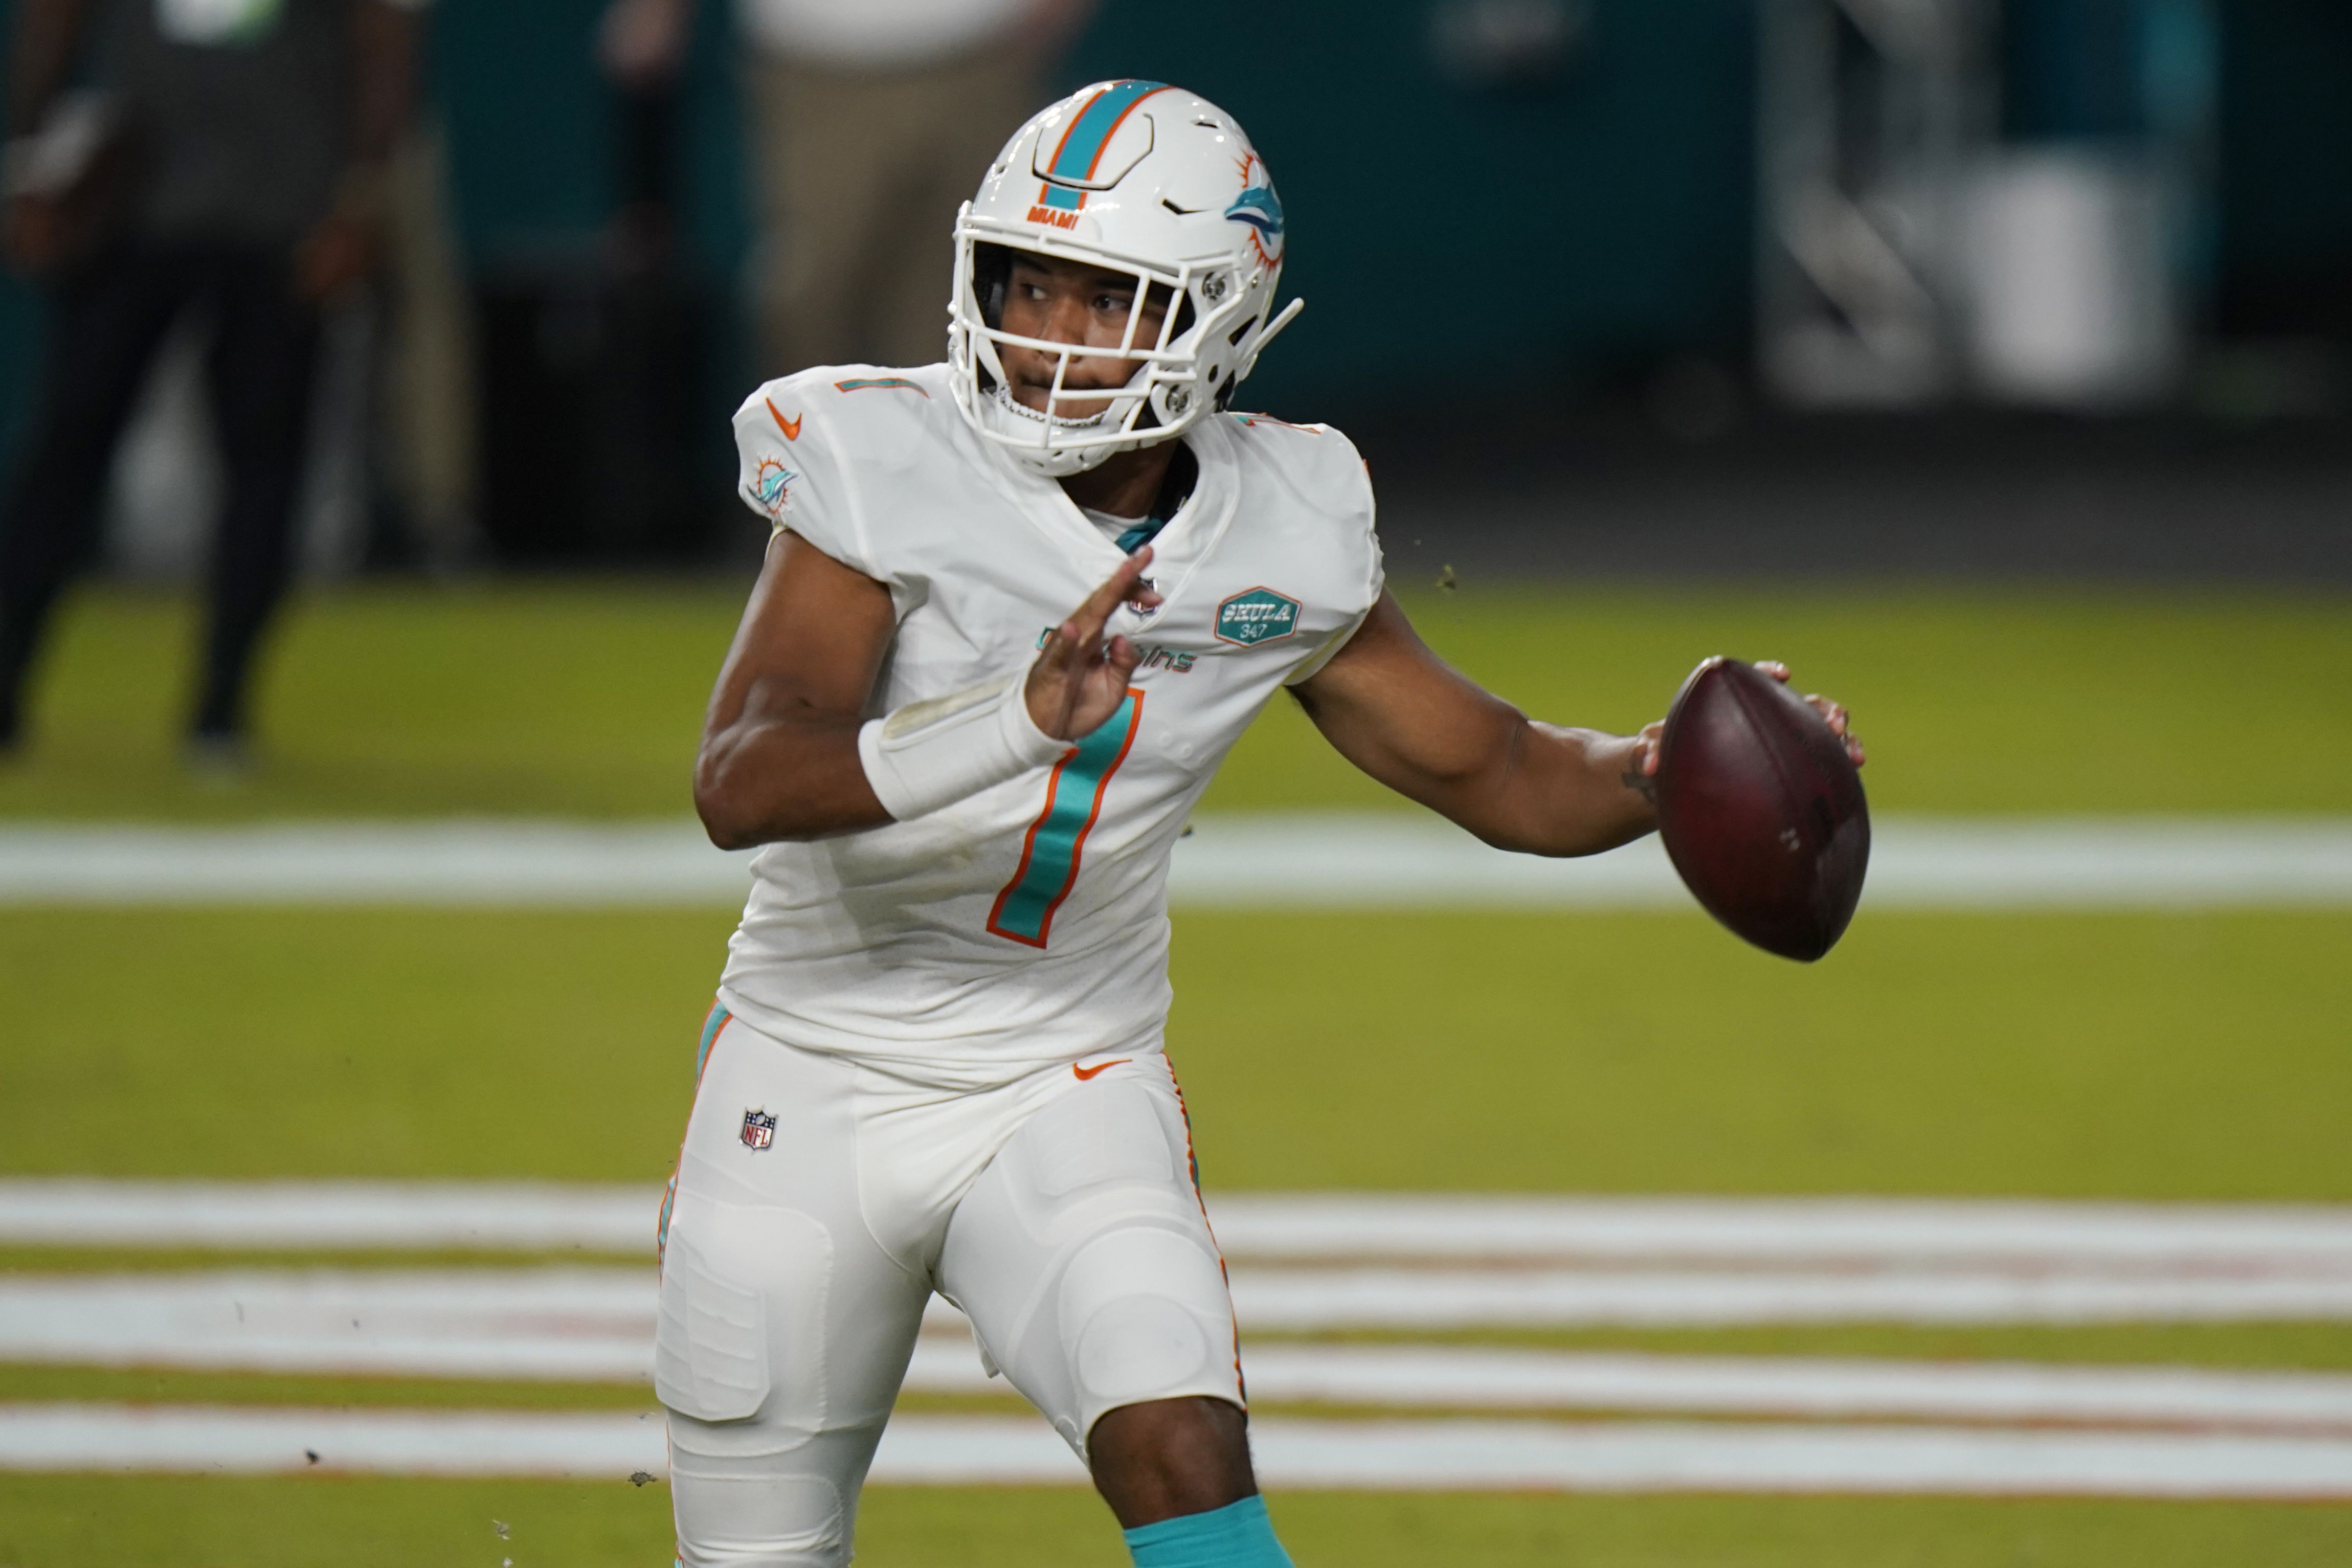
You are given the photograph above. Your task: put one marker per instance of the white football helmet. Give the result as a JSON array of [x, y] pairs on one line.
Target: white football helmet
[[1142, 178]]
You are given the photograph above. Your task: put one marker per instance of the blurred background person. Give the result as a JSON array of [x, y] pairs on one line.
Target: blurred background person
[[869, 121], [231, 157]]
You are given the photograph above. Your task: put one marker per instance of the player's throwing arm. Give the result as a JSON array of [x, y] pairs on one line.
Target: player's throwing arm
[[1412, 721]]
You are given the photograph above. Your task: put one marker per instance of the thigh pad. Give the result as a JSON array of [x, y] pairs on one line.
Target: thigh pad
[[742, 1313], [1084, 1262]]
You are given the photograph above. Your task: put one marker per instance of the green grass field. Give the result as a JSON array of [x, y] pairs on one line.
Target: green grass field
[[187, 1522], [2130, 1055], [584, 700], [2153, 1055]]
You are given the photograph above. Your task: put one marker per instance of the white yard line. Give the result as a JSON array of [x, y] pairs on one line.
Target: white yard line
[[598, 1325], [1990, 1236], [1313, 860], [2026, 1233], [1311, 1300], [263, 1439], [593, 1324], [1669, 1457], [1464, 1378], [465, 1216], [519, 863], [1285, 860], [1469, 1455]]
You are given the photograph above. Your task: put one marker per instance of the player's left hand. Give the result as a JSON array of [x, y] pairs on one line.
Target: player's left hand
[[1833, 714], [1080, 677]]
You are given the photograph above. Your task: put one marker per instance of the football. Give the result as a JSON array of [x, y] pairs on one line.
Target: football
[[1761, 810]]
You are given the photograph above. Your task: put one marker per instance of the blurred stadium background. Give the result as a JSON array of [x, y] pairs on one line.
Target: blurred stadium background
[[1986, 361]]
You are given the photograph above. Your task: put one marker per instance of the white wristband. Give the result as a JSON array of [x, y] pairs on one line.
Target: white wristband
[[931, 753]]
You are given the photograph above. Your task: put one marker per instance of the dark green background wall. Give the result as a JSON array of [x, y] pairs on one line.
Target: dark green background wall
[[1432, 227], [1446, 239]]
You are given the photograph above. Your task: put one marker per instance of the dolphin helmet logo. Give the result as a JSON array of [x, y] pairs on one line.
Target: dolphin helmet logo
[[1259, 207]]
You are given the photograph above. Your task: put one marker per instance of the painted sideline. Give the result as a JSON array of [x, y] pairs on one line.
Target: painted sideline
[[1450, 1456], [1282, 860], [2022, 1234]]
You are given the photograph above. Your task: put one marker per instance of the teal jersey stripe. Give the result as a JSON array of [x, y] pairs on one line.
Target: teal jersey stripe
[[1082, 144], [1049, 861]]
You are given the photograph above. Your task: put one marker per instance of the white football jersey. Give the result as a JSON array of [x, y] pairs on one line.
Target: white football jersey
[[1027, 925]]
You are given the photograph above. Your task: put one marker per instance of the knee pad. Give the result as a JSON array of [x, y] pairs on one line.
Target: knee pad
[[1143, 1315], [735, 1511]]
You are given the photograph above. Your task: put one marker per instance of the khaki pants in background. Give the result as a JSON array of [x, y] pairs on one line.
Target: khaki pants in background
[[430, 407], [859, 180]]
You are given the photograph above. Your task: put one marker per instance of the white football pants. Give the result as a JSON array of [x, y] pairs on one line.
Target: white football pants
[[1058, 1212]]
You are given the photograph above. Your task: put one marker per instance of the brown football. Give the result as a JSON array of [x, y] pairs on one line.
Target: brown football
[[1761, 810]]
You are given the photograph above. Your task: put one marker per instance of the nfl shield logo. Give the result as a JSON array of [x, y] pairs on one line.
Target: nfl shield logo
[[759, 1129]]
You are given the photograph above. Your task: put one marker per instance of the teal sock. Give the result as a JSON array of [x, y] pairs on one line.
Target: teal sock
[[1238, 1535]]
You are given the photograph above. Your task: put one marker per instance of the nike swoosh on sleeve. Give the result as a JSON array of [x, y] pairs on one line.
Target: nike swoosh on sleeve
[[1083, 1074], [791, 428]]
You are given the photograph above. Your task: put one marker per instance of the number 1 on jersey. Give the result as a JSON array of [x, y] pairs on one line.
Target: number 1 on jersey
[[1049, 856]]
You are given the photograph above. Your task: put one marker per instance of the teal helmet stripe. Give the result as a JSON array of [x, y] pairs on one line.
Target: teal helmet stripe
[[1083, 143]]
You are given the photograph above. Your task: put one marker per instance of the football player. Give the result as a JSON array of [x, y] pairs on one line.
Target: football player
[[1016, 608]]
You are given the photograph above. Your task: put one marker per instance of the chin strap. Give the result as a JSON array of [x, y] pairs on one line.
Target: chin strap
[[1282, 318], [1011, 404]]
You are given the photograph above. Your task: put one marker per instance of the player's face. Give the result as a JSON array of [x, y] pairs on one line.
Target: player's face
[[1071, 303]]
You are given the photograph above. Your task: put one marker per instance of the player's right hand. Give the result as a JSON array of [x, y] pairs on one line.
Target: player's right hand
[[1080, 676]]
